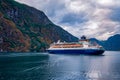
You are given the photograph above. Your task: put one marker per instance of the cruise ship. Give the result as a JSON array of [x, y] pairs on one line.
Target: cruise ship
[[83, 46]]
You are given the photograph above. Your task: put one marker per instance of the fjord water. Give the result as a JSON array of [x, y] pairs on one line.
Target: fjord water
[[44, 66]]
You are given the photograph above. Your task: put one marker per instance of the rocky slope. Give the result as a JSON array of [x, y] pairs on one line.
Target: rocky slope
[[26, 29]]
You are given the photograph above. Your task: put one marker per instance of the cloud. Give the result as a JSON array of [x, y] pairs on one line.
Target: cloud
[[72, 18], [93, 18], [115, 14]]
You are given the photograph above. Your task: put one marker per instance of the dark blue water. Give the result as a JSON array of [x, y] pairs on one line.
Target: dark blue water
[[44, 66]]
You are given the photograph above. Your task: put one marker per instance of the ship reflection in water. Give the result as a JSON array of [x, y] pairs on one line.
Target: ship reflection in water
[[43, 66]]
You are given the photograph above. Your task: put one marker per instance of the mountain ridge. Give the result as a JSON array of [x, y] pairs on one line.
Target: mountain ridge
[[26, 29], [111, 44], [32, 30]]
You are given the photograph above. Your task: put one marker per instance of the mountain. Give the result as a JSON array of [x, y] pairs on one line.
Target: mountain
[[26, 29], [112, 43]]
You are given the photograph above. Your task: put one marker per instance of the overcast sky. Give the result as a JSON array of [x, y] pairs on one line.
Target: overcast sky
[[93, 18]]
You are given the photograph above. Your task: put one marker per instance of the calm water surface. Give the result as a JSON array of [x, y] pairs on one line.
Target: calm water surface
[[44, 66]]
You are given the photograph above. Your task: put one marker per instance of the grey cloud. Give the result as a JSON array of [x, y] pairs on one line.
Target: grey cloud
[[72, 18], [115, 14], [53, 6]]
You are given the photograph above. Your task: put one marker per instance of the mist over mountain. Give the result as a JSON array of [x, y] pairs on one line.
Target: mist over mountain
[[26, 29]]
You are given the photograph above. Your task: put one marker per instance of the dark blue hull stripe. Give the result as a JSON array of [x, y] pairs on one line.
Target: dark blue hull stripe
[[89, 51]]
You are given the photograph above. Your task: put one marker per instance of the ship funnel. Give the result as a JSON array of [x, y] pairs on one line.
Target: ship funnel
[[83, 37]]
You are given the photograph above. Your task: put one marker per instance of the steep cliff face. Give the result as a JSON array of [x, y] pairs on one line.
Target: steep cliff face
[[24, 28], [11, 38]]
